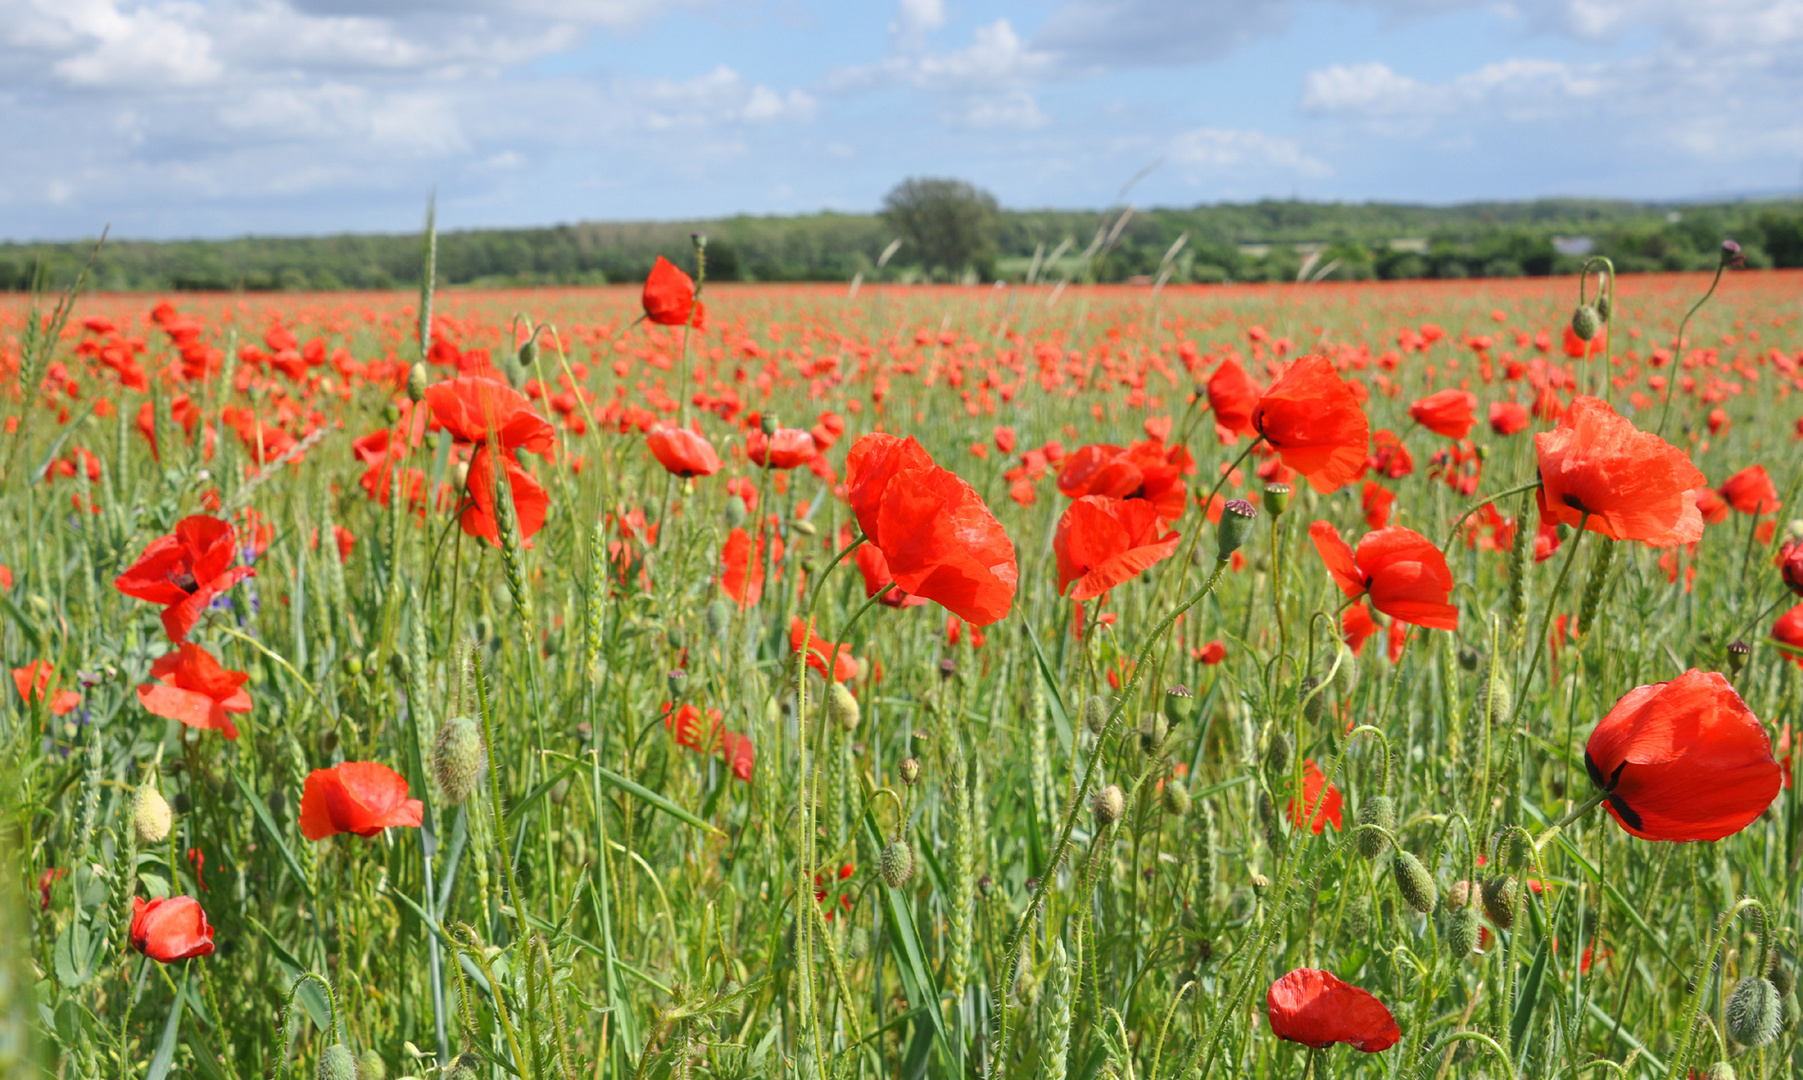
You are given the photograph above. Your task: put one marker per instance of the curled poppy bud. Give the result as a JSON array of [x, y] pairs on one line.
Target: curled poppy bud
[[417, 381], [457, 758], [1108, 805], [1586, 322], [842, 707], [1753, 1012], [1462, 931], [1683, 760], [336, 1063], [1315, 1008], [1379, 810], [1176, 798], [150, 817], [896, 865], [1500, 894], [1094, 713], [1415, 883]]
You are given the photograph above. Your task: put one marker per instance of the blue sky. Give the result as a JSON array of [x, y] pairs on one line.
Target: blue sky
[[170, 118]]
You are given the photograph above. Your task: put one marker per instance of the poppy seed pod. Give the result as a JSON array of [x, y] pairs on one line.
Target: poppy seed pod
[[457, 758], [150, 817], [1176, 798], [896, 864], [1500, 894], [1095, 713], [1277, 498], [842, 707], [1179, 704], [1152, 730], [1108, 805], [370, 1066], [1415, 883], [1586, 322], [1237, 519], [336, 1063], [417, 379], [1753, 1012], [908, 770], [769, 424], [1379, 810], [1462, 931]]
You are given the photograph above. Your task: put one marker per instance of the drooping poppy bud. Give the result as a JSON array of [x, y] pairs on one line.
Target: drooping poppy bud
[[457, 758], [1415, 883], [897, 863], [370, 1066], [842, 707], [1462, 931], [1586, 321], [1153, 728], [336, 1063], [1176, 798], [1095, 713], [1753, 1011], [1108, 805], [1379, 810], [417, 381]]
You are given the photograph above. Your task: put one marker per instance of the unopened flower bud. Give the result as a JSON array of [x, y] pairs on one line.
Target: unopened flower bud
[[1379, 810], [736, 514], [417, 380], [1278, 752], [150, 817], [1176, 798], [1731, 254], [1311, 701], [1277, 498], [1585, 322], [1468, 658], [1602, 307], [1095, 713], [1152, 730], [1493, 693], [1108, 805], [370, 1066], [1358, 914], [1179, 704], [1721, 1070], [1500, 894], [336, 1063], [896, 864], [1462, 931], [1414, 883], [908, 770], [1237, 518], [457, 758], [1753, 1012], [466, 1067], [842, 707]]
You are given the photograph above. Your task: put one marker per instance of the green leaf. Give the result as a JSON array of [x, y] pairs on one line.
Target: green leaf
[[640, 791], [261, 809], [1061, 720], [165, 1057], [904, 944], [75, 952], [310, 996], [1530, 996]]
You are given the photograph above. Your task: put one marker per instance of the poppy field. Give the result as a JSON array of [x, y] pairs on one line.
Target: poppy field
[[1387, 680]]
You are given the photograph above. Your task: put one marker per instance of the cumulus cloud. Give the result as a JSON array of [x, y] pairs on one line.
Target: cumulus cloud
[[1206, 152], [1157, 33]]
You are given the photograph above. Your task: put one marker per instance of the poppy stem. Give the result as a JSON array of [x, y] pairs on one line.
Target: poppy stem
[[1453, 533], [1678, 346]]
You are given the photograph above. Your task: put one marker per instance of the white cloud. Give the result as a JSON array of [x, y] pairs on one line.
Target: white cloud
[[1217, 151], [1157, 33], [720, 96], [915, 19]]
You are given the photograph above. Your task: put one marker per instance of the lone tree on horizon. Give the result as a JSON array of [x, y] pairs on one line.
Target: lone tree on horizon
[[951, 223]]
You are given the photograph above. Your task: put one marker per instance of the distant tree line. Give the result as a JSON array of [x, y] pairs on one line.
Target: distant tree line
[[952, 231]]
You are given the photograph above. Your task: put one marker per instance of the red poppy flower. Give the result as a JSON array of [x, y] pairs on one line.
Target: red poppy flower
[[1683, 760], [1211, 654], [1103, 542], [1750, 491], [788, 448], [1711, 506], [184, 571], [1508, 418], [1788, 632], [1357, 627], [740, 754], [875, 569], [827, 429], [361, 797], [196, 690], [683, 452], [1790, 565], [1232, 396], [669, 295], [742, 567], [170, 929], [1377, 501], [469, 408], [1390, 456], [1633, 484], [1147, 470], [1321, 801], [33, 681], [1315, 1008], [940, 540], [845, 666], [1402, 571], [1450, 412], [1311, 417]]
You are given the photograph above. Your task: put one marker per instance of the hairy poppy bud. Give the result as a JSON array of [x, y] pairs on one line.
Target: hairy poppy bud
[[1179, 704], [417, 380], [736, 512], [1415, 883], [1095, 712], [1311, 701], [1585, 322], [1494, 693], [1152, 730], [1108, 805], [842, 707], [1462, 931], [1379, 810], [1277, 498], [150, 817], [908, 770], [1500, 894], [1602, 306], [1358, 915], [466, 1067], [1753, 1011], [897, 863], [336, 1063], [718, 616], [1279, 752], [768, 424], [857, 946], [457, 758], [1782, 977], [370, 1066], [1721, 1070], [1176, 798], [1738, 651], [1237, 518]]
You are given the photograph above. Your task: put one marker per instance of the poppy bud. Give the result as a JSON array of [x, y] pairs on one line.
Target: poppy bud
[[1277, 498], [1738, 651], [1152, 730], [857, 946], [908, 770], [1279, 752], [1500, 894], [842, 707], [336, 1063], [768, 424], [1782, 977], [1602, 307], [1311, 701], [457, 758], [897, 863], [1721, 1070], [370, 1066], [417, 379], [1753, 1011], [736, 512], [1179, 704], [718, 616], [1731, 255], [150, 817], [1108, 805], [1462, 931], [1585, 322], [1176, 798], [1095, 713], [947, 668], [1379, 810], [1468, 658], [466, 1067], [1414, 883], [1237, 518], [1358, 915], [1501, 703], [529, 353]]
